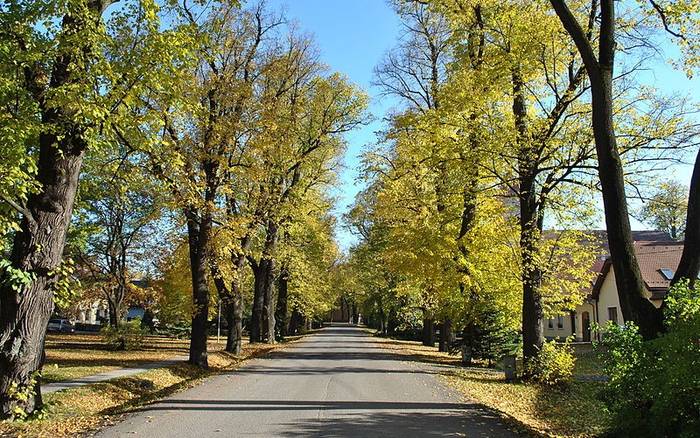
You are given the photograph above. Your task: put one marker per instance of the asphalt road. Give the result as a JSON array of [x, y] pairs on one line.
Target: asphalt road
[[336, 383]]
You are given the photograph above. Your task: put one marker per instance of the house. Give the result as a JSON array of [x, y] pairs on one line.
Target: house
[[658, 256], [94, 310]]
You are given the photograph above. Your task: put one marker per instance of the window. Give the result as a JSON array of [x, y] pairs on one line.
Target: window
[[560, 322], [612, 314], [667, 273], [550, 323]]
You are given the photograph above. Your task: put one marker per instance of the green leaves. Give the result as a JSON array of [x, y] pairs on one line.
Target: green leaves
[[17, 279], [65, 286]]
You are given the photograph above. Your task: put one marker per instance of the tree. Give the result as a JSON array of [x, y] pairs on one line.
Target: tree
[[63, 94], [666, 209], [414, 71], [201, 137], [115, 214], [628, 278], [253, 44], [315, 112], [680, 19]]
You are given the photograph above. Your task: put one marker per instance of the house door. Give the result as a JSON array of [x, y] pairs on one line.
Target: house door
[[586, 326]]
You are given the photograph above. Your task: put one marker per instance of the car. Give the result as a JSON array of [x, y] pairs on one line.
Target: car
[[58, 325]]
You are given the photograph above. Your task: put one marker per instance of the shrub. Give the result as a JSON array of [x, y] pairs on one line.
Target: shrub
[[127, 336], [554, 365], [654, 387], [490, 336]]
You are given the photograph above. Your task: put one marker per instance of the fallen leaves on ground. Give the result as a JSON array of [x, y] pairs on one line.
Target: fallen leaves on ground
[[81, 410], [572, 411]]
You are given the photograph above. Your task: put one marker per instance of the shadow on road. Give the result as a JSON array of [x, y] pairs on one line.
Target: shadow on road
[[475, 423], [301, 405]]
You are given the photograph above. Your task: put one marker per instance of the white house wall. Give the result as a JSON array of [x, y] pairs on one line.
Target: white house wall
[[608, 298], [555, 332]]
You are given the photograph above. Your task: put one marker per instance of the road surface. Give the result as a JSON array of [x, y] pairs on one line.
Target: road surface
[[336, 383]]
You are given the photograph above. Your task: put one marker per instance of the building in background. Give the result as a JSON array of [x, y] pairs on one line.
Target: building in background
[[658, 256]]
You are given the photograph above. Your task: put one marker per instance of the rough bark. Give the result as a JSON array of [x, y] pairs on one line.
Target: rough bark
[[232, 297], [689, 266], [256, 319], [263, 317], [270, 304], [37, 249], [38, 246], [268, 265], [630, 285], [264, 306], [281, 318], [530, 227], [199, 231], [115, 300], [114, 319], [296, 322]]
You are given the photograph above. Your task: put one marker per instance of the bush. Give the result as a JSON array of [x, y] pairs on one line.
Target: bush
[[128, 336], [490, 337], [554, 365], [654, 387]]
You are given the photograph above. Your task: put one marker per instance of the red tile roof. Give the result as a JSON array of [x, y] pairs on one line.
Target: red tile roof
[[652, 258]]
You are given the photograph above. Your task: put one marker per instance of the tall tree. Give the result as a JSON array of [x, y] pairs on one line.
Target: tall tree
[[414, 71], [680, 20], [628, 278], [115, 214], [666, 208], [66, 89]]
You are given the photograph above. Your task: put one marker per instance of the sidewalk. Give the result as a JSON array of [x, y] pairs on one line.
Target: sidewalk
[[109, 375]]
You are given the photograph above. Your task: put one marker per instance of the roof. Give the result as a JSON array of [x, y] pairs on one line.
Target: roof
[[653, 257]]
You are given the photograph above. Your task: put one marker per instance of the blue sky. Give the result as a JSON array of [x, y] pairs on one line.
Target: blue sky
[[353, 35]]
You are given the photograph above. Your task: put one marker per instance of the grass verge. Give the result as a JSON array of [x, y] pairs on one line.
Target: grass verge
[[88, 408]]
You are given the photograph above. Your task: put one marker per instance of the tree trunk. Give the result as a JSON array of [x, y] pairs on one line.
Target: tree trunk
[[234, 340], [268, 262], [630, 285], [199, 231], [296, 322], [114, 302], [628, 278], [689, 266], [530, 227], [282, 296], [263, 321], [37, 249], [428, 332], [270, 304], [113, 314], [256, 320], [446, 335]]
